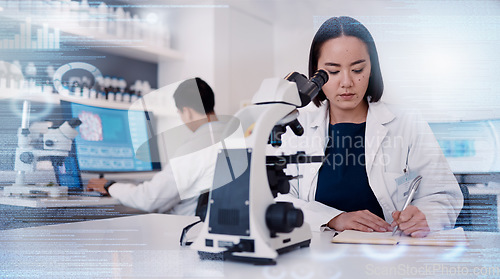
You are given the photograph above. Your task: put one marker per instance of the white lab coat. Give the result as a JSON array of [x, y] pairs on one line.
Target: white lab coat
[[176, 188], [393, 140]]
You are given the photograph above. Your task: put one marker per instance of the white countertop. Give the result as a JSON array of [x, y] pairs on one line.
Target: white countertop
[[148, 246], [47, 202]]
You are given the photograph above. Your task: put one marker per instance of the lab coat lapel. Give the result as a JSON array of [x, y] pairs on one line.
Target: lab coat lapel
[[378, 115], [320, 125]]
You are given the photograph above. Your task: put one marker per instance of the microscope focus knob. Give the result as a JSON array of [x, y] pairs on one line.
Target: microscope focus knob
[[27, 157], [282, 217], [49, 143]]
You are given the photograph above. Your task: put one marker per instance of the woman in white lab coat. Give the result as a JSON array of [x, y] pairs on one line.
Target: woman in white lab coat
[[372, 150]]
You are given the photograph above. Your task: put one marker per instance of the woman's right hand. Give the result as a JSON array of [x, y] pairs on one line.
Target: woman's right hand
[[362, 220]]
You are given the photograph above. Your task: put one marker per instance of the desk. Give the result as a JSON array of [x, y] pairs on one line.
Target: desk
[[148, 246], [17, 212], [68, 201]]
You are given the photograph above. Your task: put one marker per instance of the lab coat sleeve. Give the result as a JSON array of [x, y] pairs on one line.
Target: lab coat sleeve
[[439, 197], [160, 194], [316, 214]]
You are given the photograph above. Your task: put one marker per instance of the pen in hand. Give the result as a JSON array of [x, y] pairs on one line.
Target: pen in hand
[[413, 189]]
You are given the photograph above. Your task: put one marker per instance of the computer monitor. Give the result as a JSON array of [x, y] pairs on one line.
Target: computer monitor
[[68, 174], [113, 140]]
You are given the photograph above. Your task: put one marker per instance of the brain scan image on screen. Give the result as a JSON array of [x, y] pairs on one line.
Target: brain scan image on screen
[[108, 137], [91, 127]]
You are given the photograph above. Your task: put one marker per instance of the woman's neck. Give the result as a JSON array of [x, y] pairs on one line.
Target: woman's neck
[[355, 115]]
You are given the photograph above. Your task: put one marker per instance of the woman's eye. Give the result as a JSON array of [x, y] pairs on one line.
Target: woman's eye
[[333, 72], [358, 71]]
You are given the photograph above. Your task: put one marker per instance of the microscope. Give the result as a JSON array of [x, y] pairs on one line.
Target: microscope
[[40, 141], [243, 222]]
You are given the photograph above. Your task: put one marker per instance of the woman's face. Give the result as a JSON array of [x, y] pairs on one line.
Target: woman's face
[[347, 61]]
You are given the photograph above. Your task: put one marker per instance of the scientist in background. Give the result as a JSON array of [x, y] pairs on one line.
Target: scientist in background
[[175, 189]]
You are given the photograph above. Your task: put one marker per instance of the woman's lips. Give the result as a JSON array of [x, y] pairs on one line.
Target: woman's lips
[[347, 96]]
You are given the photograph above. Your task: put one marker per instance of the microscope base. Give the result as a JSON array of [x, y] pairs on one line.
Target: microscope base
[[32, 190], [221, 256]]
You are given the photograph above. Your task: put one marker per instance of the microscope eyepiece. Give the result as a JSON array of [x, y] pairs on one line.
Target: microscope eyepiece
[[308, 89], [319, 78], [74, 122]]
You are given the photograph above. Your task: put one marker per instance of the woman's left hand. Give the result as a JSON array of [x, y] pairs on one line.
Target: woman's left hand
[[411, 221]]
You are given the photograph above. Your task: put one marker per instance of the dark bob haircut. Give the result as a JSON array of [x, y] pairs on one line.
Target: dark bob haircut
[[191, 91], [346, 26]]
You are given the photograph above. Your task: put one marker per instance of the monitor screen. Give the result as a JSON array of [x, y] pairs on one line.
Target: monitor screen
[[67, 173], [112, 140]]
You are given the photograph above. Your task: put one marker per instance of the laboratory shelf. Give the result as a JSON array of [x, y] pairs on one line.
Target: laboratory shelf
[[130, 48], [91, 38], [142, 104]]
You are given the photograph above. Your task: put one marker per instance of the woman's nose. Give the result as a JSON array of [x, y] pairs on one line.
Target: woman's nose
[[346, 80]]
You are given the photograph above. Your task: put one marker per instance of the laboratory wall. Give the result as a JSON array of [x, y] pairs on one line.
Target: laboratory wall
[[228, 44]]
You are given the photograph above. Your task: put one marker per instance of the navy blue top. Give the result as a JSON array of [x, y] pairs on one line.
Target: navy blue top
[[343, 182]]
